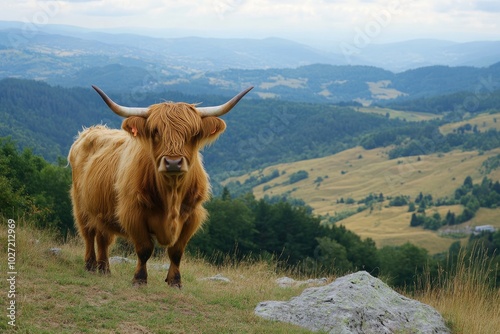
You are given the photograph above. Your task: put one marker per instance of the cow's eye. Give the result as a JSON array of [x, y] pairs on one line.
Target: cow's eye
[[155, 134]]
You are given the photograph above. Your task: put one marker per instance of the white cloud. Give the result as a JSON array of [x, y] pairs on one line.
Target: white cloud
[[321, 19]]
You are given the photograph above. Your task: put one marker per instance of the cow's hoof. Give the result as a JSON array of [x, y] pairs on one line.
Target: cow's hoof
[[91, 266], [175, 286], [105, 271], [175, 282], [139, 282]]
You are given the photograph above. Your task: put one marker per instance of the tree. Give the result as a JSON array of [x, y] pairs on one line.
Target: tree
[[398, 201], [332, 256], [225, 194], [298, 176], [230, 229], [468, 182], [421, 207], [402, 264], [415, 220], [450, 218]]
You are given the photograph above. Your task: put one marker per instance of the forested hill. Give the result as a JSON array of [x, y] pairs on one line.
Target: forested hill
[[47, 118], [44, 118], [328, 83], [259, 133]]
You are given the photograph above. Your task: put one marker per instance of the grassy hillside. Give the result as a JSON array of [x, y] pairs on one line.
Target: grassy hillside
[[54, 294], [357, 172], [409, 116], [483, 122]]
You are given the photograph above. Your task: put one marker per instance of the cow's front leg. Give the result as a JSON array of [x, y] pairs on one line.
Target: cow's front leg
[[174, 275], [177, 250], [144, 248]]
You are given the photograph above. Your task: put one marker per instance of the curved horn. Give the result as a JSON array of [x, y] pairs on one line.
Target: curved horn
[[224, 108], [120, 110]]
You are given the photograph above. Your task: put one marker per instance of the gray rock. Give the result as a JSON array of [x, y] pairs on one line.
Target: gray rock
[[217, 277], [356, 303], [120, 259], [158, 266], [55, 251], [285, 282]]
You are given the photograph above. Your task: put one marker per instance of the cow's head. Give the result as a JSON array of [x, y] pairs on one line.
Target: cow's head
[[173, 132]]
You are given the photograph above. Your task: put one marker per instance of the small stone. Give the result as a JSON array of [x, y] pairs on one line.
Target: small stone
[[217, 277], [285, 282], [158, 266], [55, 251], [119, 259]]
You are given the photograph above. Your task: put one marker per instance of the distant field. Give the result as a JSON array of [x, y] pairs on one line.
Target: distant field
[[391, 226], [410, 116], [279, 80], [484, 122], [357, 172], [380, 90]]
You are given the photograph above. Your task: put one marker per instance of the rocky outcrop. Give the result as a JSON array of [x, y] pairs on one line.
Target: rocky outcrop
[[356, 303]]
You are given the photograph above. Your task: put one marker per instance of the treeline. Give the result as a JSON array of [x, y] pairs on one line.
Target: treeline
[[245, 227]]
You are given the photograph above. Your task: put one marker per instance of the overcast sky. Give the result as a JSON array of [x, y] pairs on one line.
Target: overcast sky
[[349, 21]]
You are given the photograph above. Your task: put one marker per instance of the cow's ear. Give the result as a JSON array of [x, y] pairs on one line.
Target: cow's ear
[[211, 128], [135, 125]]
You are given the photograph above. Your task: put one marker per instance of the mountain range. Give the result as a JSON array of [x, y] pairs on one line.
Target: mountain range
[[278, 68], [71, 56]]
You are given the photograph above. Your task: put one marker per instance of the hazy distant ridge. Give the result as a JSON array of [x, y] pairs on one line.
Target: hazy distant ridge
[[278, 68], [217, 54]]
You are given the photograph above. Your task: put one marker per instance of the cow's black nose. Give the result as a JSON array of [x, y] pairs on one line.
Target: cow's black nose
[[173, 165]]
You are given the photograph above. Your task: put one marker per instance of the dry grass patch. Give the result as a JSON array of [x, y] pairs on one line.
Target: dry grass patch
[[391, 226], [380, 90], [279, 80], [466, 296], [410, 116], [486, 216], [358, 172]]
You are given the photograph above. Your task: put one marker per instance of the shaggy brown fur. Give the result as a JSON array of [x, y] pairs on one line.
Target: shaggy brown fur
[[118, 188]]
